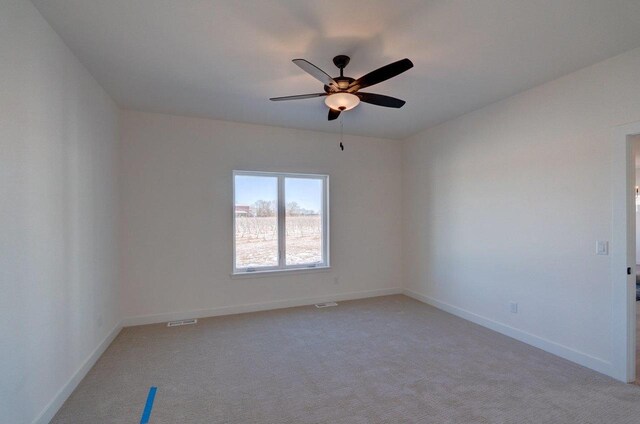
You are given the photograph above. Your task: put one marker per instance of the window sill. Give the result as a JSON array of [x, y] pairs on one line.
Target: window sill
[[276, 272]]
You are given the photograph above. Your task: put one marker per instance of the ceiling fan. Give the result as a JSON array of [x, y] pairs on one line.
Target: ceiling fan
[[343, 93]]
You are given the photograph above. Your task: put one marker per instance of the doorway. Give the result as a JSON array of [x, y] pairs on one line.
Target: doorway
[[635, 144], [623, 253]]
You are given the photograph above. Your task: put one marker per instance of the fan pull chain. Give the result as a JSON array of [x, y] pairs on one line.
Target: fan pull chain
[[341, 133]]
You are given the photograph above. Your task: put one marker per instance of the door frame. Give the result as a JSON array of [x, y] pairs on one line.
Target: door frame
[[623, 251]]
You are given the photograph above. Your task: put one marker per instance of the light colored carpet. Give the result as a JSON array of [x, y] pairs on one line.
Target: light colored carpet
[[384, 360]]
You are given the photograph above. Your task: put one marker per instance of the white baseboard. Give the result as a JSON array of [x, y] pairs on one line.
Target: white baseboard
[[254, 307], [50, 410], [557, 349]]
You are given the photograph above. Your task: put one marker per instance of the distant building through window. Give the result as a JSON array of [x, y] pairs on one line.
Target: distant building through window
[[243, 210]]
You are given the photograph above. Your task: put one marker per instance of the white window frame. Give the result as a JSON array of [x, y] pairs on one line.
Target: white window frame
[[282, 253]]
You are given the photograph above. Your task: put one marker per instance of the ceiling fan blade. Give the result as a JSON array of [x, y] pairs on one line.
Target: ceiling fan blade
[[316, 72], [380, 100], [298, 97], [333, 114], [381, 74]]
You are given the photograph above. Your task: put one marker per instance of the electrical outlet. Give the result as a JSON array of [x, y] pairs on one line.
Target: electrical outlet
[[602, 248], [513, 307]]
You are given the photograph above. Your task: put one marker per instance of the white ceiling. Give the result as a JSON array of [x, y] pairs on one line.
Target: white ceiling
[[224, 59]]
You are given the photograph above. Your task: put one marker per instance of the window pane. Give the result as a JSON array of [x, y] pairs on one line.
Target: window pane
[[256, 215], [303, 219]]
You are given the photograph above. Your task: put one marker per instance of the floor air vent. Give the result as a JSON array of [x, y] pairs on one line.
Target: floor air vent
[[326, 304], [182, 322]]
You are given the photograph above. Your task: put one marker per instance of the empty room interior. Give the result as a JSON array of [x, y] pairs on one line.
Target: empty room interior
[[295, 211]]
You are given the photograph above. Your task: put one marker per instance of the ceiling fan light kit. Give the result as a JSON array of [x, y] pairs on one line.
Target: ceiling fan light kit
[[343, 93], [342, 101]]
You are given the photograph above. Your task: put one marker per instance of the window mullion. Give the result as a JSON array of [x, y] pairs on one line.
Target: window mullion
[[282, 250]]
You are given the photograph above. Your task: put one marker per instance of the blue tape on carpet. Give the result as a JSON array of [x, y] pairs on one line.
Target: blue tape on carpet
[[146, 414]]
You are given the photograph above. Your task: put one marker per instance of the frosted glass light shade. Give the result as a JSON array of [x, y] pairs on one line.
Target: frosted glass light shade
[[342, 101]]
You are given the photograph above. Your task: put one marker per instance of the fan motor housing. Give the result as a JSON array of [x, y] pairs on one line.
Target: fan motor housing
[[341, 81]]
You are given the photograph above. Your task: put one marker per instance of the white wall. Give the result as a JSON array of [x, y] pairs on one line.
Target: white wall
[[58, 259], [506, 204], [177, 214]]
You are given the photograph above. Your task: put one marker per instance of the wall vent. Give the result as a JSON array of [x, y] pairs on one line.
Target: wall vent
[[326, 304], [182, 322]]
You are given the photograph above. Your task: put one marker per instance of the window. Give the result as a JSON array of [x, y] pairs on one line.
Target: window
[[281, 221]]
